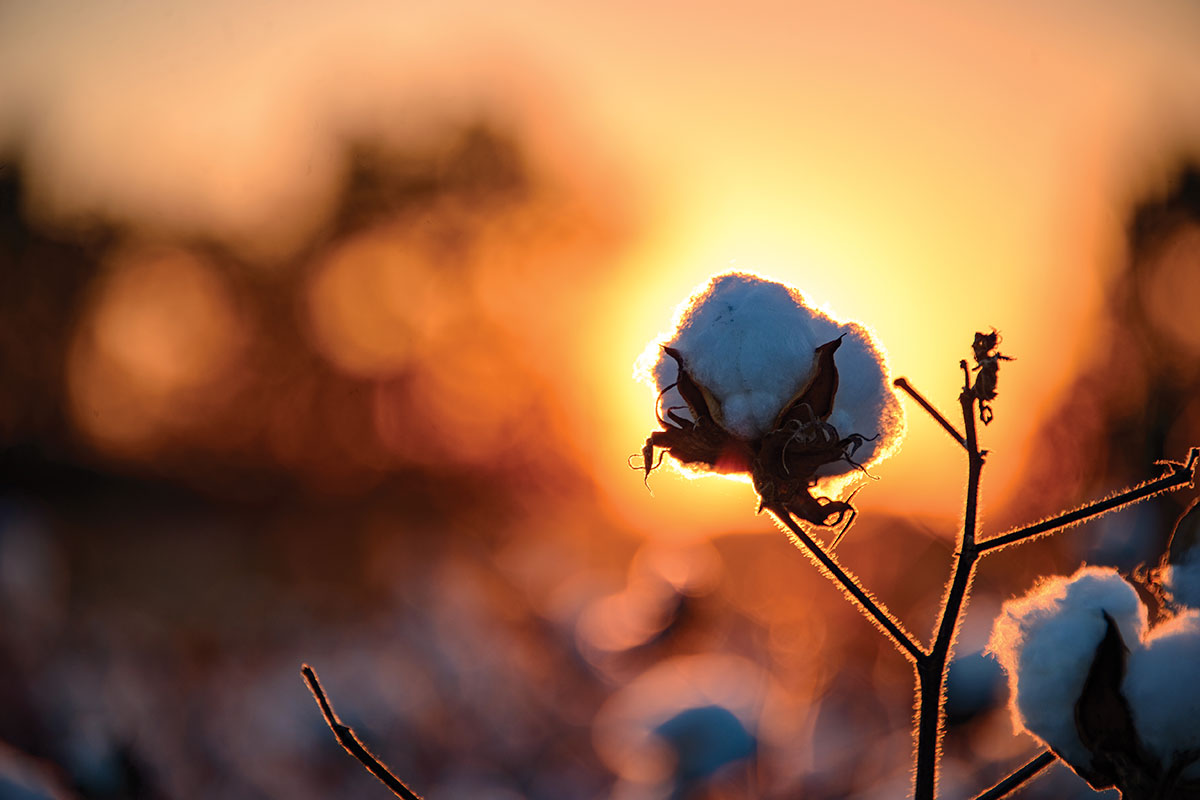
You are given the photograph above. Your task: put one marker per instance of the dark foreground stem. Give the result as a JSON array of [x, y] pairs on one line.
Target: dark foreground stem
[[869, 606], [1177, 474], [354, 746], [1019, 777], [931, 668]]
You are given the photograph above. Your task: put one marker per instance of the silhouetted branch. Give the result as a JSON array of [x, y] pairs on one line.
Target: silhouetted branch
[[1180, 474], [1019, 777], [353, 745], [902, 383]]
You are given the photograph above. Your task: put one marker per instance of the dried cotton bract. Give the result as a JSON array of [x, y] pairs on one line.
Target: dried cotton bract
[[754, 381]]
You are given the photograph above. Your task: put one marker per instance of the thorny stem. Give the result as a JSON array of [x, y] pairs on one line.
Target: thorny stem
[[902, 383], [1019, 776], [931, 667], [869, 606], [1177, 474], [353, 745]]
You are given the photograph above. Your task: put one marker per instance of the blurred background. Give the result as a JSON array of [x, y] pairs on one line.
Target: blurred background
[[317, 325]]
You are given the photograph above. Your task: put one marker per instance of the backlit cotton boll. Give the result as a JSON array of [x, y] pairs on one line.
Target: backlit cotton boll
[[1115, 700], [755, 381], [1047, 641]]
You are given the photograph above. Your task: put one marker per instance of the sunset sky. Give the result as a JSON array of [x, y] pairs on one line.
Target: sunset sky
[[927, 170], [320, 327]]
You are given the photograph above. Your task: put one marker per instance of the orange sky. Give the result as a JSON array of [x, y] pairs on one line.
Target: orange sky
[[927, 170]]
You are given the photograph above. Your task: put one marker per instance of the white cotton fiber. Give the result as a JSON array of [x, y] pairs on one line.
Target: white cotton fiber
[[1162, 686], [750, 344], [1046, 642]]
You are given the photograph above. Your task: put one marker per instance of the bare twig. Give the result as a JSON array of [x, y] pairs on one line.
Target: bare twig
[[902, 383], [353, 745], [867, 604], [1019, 777], [1176, 474]]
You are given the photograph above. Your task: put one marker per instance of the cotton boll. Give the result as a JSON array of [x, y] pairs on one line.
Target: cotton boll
[[1162, 690], [1046, 642], [744, 335], [777, 391], [751, 343]]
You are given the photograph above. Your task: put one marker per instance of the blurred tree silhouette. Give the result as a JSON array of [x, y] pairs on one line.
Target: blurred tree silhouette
[[1137, 398], [151, 586]]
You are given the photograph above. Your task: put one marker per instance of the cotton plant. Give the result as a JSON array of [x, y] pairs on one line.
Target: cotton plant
[[1113, 697], [755, 381]]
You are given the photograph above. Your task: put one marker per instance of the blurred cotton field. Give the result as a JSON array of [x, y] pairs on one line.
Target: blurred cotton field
[[316, 332]]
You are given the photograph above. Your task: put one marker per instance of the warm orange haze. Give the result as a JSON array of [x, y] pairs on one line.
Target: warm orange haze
[[319, 326]]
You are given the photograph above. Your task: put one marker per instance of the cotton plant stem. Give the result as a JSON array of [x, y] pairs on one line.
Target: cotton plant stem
[[353, 745], [1177, 475], [902, 383], [872, 608], [931, 667], [1019, 776]]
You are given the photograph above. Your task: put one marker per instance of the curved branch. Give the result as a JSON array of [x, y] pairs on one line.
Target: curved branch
[[353, 745]]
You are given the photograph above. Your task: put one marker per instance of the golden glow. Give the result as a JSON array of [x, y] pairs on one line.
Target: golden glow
[[931, 171], [154, 351], [375, 301], [475, 406], [928, 201]]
